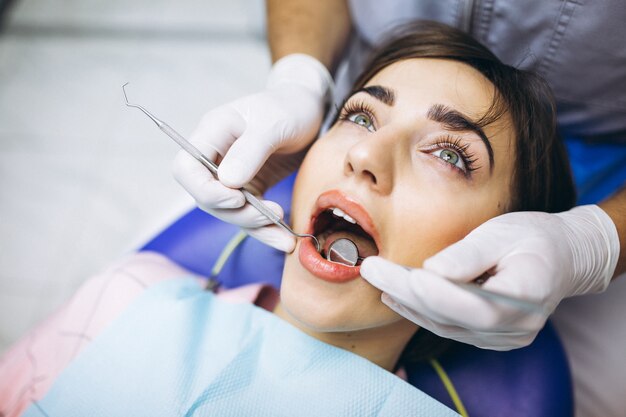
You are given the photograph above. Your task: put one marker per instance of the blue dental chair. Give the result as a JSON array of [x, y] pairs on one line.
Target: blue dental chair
[[532, 381]]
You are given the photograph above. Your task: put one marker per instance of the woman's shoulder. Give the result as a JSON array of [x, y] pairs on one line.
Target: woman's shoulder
[[104, 296]]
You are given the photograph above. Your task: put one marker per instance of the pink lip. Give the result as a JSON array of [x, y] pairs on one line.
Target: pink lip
[[312, 260]]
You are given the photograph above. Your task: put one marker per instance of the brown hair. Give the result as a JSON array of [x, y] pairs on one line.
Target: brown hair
[[542, 179]]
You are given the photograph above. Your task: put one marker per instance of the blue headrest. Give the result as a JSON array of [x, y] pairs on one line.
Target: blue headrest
[[532, 381]]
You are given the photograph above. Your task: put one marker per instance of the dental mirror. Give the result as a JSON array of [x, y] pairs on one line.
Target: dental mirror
[[343, 251]]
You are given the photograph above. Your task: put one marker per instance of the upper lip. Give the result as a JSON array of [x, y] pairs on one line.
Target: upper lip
[[338, 199]]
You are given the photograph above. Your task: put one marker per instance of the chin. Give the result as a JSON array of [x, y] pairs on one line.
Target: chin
[[322, 306]]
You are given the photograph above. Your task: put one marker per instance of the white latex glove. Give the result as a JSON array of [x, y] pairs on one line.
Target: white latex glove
[[278, 123], [533, 256]]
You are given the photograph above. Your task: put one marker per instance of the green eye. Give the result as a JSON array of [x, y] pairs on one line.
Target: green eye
[[452, 157], [362, 119], [449, 156]]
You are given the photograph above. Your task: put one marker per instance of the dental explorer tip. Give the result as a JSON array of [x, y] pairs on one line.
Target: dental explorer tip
[[125, 96], [303, 235], [133, 105], [317, 242]]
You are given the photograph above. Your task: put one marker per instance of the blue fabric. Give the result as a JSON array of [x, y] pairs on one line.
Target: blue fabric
[[196, 240], [531, 381], [599, 169], [180, 351]]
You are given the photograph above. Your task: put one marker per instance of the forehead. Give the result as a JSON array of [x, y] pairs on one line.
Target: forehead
[[421, 82]]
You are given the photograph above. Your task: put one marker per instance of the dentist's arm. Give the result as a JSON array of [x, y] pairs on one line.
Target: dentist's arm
[[615, 207], [533, 256], [317, 28], [264, 135]]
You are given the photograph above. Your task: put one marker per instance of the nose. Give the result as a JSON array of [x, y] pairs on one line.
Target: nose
[[371, 161]]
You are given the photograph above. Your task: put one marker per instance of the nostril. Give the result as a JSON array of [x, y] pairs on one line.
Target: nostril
[[371, 176]]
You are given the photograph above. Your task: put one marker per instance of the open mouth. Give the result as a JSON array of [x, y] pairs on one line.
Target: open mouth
[[333, 224], [337, 216]]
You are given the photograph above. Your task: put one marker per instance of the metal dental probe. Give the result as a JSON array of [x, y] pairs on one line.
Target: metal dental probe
[[212, 166], [344, 251]]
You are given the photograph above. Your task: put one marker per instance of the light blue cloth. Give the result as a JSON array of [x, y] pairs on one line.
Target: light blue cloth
[[181, 351]]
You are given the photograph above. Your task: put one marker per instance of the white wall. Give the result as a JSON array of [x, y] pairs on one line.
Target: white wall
[[84, 179]]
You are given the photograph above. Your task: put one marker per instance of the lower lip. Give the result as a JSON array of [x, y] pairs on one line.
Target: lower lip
[[323, 269]]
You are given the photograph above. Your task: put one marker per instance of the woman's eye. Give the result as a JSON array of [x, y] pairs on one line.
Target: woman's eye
[[362, 119], [451, 157]]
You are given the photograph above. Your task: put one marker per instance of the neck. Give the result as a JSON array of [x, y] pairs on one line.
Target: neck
[[381, 345]]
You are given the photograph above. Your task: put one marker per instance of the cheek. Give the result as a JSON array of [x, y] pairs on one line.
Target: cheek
[[432, 214], [422, 232], [321, 167]]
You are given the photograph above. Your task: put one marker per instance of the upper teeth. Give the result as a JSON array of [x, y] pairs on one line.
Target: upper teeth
[[340, 213]]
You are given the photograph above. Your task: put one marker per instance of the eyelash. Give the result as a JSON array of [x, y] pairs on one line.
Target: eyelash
[[353, 107], [454, 143]]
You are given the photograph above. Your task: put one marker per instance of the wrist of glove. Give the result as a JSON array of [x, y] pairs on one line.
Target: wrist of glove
[[593, 243], [303, 70], [536, 257]]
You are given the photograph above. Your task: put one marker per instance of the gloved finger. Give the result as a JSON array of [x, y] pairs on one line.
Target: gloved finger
[[387, 276], [524, 276], [208, 192], [495, 340], [468, 258], [246, 156], [412, 315], [435, 297], [521, 275], [442, 330], [396, 282], [217, 131], [247, 217], [452, 304], [275, 237], [492, 339]]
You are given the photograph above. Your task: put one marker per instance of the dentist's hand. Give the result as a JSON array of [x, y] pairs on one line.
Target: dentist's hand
[[538, 257], [278, 123]]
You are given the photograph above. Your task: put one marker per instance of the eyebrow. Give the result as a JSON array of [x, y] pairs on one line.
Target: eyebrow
[[456, 121], [384, 94]]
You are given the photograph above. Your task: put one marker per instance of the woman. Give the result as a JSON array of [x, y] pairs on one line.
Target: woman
[[437, 134]]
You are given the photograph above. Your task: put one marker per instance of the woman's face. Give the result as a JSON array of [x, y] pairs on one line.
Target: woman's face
[[407, 163]]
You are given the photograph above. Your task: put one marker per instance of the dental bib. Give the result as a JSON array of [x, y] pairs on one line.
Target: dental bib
[[181, 351]]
